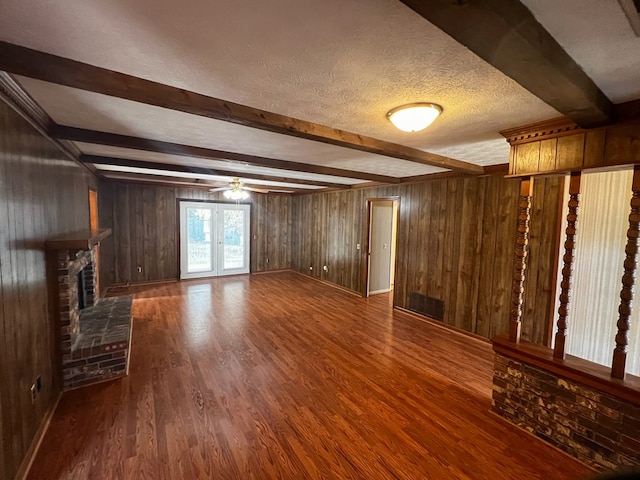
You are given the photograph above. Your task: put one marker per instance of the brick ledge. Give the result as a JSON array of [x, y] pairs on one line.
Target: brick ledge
[[574, 368]]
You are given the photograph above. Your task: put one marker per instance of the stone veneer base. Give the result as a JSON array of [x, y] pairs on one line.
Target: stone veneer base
[[101, 350], [595, 427]]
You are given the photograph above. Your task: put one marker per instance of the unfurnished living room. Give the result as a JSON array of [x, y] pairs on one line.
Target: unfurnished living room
[[382, 239]]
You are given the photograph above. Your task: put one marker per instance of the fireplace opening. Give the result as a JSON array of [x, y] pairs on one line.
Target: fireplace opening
[[82, 294]]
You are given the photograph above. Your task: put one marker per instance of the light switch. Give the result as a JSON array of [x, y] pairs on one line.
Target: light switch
[[357, 246]]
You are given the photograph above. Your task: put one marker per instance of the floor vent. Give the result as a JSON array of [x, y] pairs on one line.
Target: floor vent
[[429, 306]]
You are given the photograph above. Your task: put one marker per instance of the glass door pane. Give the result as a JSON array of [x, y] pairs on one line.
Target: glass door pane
[[199, 257], [214, 239], [197, 240], [234, 230]]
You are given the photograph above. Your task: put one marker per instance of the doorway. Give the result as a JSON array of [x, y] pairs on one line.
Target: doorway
[[214, 239], [381, 245]]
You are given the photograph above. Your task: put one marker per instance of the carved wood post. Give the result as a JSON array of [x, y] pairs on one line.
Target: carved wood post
[[628, 279], [520, 260], [567, 269]]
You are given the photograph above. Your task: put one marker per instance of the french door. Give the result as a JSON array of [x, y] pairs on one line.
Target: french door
[[214, 239]]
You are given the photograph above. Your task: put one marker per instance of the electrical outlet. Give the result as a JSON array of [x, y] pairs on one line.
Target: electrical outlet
[[38, 383], [33, 393], [139, 269], [325, 268]]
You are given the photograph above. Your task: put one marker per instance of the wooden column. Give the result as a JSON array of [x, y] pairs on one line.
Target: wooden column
[[520, 261], [567, 269], [628, 280]]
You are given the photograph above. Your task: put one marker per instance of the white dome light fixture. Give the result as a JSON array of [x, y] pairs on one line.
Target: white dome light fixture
[[414, 117]]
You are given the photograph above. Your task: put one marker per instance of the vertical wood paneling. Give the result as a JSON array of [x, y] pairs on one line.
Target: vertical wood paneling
[[144, 220], [540, 263], [503, 257], [42, 195], [489, 235], [455, 243]]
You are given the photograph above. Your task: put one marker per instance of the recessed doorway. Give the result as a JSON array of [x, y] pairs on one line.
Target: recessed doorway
[[382, 215]]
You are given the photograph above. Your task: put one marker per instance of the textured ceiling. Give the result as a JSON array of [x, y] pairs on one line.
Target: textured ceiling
[[341, 63], [599, 38], [69, 106]]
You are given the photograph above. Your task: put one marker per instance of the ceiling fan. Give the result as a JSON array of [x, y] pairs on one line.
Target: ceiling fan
[[237, 190]]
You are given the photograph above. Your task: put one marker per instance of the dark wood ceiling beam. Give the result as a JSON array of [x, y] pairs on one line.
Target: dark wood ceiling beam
[[62, 132], [171, 167], [507, 35], [63, 71], [188, 182]]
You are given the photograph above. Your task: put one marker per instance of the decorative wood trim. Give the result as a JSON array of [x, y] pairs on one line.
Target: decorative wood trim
[[520, 260], [20, 101], [63, 71], [13, 92], [78, 241], [522, 49], [554, 279], [169, 167], [30, 455], [628, 280], [557, 127], [567, 269], [574, 368], [158, 146]]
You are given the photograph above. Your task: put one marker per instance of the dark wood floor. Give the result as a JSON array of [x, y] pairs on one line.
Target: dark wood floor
[[280, 376]]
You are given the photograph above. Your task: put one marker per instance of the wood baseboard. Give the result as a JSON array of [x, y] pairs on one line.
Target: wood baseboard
[[327, 282], [30, 456], [440, 324]]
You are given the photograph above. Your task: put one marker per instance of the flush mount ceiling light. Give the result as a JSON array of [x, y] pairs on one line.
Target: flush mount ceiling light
[[414, 117]]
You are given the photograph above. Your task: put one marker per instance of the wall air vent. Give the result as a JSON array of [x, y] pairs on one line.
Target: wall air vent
[[428, 306], [631, 9]]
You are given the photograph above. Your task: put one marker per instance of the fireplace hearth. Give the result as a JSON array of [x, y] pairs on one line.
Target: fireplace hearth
[[94, 333]]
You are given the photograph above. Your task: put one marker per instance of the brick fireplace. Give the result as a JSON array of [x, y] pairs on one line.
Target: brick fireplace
[[95, 332]]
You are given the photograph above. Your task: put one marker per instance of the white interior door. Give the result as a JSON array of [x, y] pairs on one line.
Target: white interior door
[[381, 254], [214, 239]]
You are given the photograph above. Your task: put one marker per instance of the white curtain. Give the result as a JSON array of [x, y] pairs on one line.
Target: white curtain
[[603, 219]]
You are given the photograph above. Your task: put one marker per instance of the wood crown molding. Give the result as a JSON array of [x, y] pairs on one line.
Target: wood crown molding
[[18, 99], [627, 112], [554, 128]]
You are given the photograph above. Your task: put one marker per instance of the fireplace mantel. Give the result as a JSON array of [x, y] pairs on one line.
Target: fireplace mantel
[[83, 240]]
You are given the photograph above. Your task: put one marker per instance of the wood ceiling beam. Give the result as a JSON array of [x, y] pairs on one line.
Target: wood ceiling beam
[[171, 167], [63, 71], [507, 35], [187, 182], [62, 132]]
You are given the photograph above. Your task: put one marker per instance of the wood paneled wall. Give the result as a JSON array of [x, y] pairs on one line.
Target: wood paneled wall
[[455, 243], [144, 221], [42, 195]]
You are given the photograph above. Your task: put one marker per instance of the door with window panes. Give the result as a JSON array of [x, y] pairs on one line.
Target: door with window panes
[[214, 239]]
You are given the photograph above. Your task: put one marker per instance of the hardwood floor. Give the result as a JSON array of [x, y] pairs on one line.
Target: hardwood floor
[[280, 376]]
